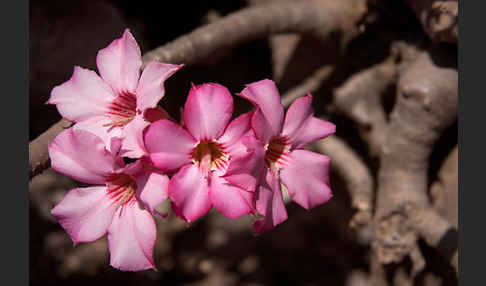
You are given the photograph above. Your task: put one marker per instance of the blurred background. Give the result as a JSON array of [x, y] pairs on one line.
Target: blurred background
[[311, 248]]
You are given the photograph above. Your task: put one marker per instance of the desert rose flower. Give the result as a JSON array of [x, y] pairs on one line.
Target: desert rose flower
[[120, 202], [205, 154], [119, 102], [305, 174]]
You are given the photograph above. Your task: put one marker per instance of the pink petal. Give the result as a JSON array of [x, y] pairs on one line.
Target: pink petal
[[245, 168], [82, 156], [177, 211], [270, 204], [95, 125], [168, 144], [189, 191], [85, 213], [307, 178], [268, 119], [132, 134], [152, 187], [151, 86], [83, 96], [131, 238], [208, 109], [152, 184], [301, 127], [231, 201], [115, 146], [236, 129], [155, 114], [119, 63], [314, 129]]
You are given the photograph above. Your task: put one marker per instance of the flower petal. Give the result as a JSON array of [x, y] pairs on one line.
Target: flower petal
[[207, 111], [95, 125], [115, 146], [230, 200], [307, 178], [131, 238], [152, 187], [270, 204], [246, 166], [82, 156], [177, 211], [268, 119], [168, 144], [132, 134], [151, 86], [301, 127], [236, 129], [189, 191], [155, 114], [84, 95], [119, 63], [85, 213]]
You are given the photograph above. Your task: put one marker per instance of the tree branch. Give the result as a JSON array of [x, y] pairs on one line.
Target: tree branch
[[359, 98], [319, 18], [426, 105], [438, 18], [311, 84], [38, 155], [444, 192], [356, 175], [438, 233]]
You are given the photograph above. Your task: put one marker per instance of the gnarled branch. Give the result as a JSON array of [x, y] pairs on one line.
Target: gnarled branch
[[426, 105], [359, 98], [438, 233]]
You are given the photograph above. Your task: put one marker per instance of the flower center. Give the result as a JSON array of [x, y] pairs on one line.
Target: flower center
[[209, 156], [121, 189], [277, 153], [122, 110]]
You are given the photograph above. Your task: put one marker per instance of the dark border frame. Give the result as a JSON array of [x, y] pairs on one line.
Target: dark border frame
[[15, 88]]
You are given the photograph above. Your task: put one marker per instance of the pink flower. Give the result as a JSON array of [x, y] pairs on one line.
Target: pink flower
[[120, 202], [120, 103], [305, 174], [207, 153]]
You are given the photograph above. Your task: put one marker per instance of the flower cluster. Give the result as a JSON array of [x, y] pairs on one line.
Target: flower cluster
[[238, 166]]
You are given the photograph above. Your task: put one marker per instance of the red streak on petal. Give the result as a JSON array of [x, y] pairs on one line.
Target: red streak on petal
[[121, 189], [277, 153], [122, 110]]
